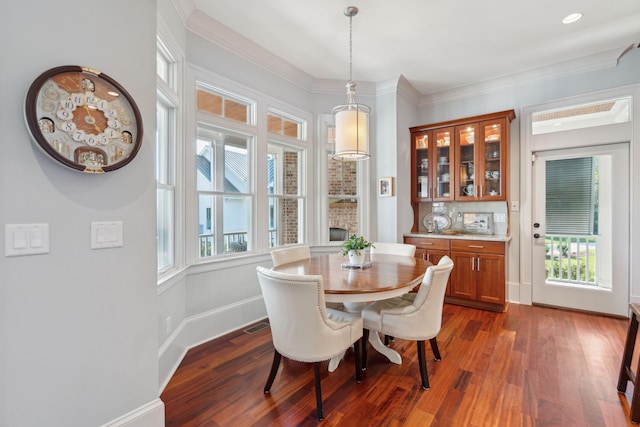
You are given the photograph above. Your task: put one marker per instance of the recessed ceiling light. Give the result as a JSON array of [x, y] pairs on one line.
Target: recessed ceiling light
[[571, 18]]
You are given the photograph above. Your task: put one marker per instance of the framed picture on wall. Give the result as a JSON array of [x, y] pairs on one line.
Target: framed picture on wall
[[385, 187]]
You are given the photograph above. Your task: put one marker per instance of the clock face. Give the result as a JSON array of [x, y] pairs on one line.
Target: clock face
[[84, 119]]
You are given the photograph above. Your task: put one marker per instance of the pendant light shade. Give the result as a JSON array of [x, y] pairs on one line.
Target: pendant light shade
[[352, 119]]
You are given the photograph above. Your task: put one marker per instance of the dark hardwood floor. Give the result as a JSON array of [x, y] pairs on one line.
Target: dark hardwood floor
[[530, 366]]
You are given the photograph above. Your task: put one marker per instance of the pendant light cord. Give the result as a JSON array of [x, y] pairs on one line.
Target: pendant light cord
[[350, 48]]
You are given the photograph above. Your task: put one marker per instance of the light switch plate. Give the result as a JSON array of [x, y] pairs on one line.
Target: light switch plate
[[106, 234], [26, 239]]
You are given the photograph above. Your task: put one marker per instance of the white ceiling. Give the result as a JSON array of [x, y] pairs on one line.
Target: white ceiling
[[437, 45]]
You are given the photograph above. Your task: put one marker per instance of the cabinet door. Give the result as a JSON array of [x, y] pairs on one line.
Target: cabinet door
[[421, 253], [463, 275], [422, 156], [466, 139], [490, 278], [433, 256], [444, 159], [493, 160]]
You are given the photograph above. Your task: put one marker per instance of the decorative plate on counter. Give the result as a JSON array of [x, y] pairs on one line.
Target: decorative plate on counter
[[439, 219]]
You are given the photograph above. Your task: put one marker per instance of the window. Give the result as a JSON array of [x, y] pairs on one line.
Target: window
[[284, 125], [166, 132], [218, 103], [344, 187], [581, 116], [284, 189], [223, 161]]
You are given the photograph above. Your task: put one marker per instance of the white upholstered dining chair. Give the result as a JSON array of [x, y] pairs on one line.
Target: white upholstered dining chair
[[384, 248], [302, 328], [393, 249], [293, 254], [416, 317], [286, 255]]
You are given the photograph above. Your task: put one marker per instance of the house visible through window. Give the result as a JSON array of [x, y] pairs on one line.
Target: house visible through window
[[224, 191], [284, 187]]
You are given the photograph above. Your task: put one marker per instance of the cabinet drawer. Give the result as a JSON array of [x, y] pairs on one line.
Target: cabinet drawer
[[478, 246], [427, 243]]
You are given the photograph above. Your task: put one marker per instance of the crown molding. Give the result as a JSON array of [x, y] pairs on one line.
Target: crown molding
[[538, 75]]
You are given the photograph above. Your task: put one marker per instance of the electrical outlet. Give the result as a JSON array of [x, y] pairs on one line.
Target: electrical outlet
[[515, 206]]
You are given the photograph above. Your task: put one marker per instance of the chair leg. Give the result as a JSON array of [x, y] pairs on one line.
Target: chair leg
[[424, 375], [365, 344], [274, 370], [316, 370], [358, 359], [434, 347]]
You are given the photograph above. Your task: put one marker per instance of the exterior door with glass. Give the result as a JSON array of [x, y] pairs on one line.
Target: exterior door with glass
[[580, 228]]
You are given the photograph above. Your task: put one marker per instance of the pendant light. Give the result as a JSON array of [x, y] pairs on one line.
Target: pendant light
[[352, 119]]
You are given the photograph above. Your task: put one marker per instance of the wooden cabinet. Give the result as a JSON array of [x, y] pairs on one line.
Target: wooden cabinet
[[478, 278], [460, 160], [431, 250]]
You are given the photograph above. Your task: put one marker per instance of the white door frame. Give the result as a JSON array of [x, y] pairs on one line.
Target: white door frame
[[609, 134], [611, 294]]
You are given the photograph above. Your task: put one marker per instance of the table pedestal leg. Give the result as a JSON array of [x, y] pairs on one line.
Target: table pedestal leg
[[389, 353]]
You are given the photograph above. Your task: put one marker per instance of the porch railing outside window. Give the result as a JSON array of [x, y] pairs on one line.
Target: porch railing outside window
[[233, 242], [571, 259]]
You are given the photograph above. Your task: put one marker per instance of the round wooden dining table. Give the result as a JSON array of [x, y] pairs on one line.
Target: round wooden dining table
[[383, 276]]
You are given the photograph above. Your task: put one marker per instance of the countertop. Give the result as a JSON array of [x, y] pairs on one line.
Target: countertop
[[487, 237]]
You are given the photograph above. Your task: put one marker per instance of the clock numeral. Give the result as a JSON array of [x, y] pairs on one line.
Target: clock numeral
[[64, 114], [102, 104], [114, 123], [91, 100], [67, 104], [110, 113], [67, 126], [78, 135], [111, 133], [77, 98], [90, 139]]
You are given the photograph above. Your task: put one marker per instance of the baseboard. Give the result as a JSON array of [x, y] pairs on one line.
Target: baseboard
[[204, 327], [148, 415]]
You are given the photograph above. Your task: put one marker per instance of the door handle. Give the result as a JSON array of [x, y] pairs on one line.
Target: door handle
[[537, 235]]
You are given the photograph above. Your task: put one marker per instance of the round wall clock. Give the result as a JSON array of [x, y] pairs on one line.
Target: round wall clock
[[83, 119]]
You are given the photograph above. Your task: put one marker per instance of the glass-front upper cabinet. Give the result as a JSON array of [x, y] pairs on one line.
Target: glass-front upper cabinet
[[422, 144], [433, 164], [494, 158], [444, 170], [466, 155]]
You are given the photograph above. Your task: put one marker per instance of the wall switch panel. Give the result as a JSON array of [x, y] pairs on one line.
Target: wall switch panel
[[106, 234], [26, 239], [499, 217]]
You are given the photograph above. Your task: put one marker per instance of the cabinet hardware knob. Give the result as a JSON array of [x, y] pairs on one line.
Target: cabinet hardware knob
[[476, 246]]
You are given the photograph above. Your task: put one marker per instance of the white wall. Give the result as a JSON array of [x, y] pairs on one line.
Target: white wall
[[78, 336]]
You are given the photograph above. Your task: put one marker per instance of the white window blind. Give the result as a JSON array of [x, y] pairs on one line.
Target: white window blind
[[570, 200]]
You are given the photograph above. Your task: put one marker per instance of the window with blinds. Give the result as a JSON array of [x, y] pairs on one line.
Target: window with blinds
[[571, 199]]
